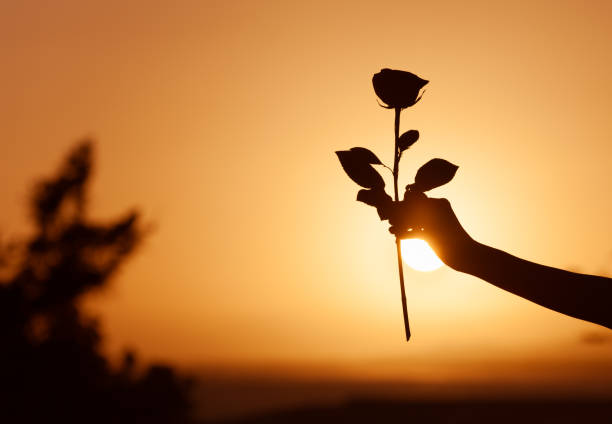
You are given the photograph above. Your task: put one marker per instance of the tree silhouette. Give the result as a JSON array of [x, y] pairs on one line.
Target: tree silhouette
[[51, 367]]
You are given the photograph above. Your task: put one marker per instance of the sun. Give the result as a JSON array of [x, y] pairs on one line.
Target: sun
[[417, 254]]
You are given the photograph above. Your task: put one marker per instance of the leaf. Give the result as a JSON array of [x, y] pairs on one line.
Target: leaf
[[379, 199], [357, 167], [363, 154], [407, 139], [433, 174]]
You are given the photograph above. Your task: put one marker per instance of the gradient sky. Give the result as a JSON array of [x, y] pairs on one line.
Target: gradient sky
[[219, 121]]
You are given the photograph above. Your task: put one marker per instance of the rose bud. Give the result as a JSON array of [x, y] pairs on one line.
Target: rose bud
[[397, 89]]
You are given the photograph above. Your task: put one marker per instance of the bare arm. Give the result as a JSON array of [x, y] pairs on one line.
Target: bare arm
[[587, 297]]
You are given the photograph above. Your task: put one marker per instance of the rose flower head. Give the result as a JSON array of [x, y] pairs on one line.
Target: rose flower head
[[397, 89]]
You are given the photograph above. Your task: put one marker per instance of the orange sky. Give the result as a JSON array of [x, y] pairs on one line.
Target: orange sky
[[220, 119]]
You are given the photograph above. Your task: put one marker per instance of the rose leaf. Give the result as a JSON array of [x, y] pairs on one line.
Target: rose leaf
[[407, 139], [379, 199], [365, 155], [433, 174], [359, 170]]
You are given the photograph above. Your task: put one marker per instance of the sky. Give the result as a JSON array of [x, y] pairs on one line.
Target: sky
[[219, 120]]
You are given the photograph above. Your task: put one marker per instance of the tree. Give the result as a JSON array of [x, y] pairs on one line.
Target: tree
[[51, 366]]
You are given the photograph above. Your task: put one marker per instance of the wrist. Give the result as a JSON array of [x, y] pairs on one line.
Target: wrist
[[467, 256]]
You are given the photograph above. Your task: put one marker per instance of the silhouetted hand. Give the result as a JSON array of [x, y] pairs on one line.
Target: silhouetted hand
[[434, 221], [582, 296]]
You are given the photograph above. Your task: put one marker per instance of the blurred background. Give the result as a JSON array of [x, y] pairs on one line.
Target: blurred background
[[261, 276]]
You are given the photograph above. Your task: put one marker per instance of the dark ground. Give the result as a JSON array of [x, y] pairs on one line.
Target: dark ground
[[526, 411]]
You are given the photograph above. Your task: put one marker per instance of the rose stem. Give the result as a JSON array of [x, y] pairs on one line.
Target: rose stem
[[396, 157]]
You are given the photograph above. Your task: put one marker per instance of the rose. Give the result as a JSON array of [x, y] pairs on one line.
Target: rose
[[397, 89]]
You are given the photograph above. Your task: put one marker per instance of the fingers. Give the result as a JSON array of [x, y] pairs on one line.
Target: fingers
[[407, 233], [421, 217], [440, 200]]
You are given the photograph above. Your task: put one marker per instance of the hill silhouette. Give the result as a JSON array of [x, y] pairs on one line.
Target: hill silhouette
[[359, 411], [51, 367]]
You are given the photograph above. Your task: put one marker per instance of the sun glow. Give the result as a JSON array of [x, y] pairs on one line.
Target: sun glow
[[417, 254]]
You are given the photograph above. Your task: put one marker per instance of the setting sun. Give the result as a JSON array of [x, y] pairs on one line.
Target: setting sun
[[417, 254]]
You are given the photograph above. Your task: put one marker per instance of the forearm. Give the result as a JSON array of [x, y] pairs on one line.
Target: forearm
[[586, 297]]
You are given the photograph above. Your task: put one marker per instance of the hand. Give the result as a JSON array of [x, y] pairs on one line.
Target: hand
[[434, 221]]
